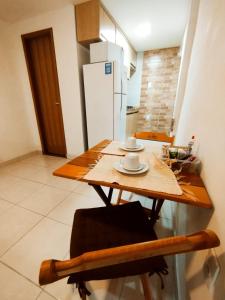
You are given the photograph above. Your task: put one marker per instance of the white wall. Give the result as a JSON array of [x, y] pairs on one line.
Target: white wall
[[203, 115], [134, 84], [63, 23], [185, 52], [16, 134]]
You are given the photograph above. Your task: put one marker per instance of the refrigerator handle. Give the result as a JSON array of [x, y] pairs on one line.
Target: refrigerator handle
[[121, 102]]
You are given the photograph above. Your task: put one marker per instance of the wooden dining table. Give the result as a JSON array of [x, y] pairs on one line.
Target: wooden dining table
[[194, 191]]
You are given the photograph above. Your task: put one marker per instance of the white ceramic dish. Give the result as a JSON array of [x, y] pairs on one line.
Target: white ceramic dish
[[132, 169], [138, 148], [118, 166]]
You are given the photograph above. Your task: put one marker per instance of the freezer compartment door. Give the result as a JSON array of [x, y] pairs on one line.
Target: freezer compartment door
[[120, 105], [98, 85], [106, 51]]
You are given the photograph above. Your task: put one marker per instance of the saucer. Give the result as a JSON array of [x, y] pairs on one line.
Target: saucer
[[117, 166], [137, 148], [141, 166]]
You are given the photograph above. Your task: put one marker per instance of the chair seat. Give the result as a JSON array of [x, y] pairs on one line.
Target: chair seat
[[107, 227]]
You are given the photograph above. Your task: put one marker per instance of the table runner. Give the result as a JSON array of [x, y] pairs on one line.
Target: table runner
[[159, 178]]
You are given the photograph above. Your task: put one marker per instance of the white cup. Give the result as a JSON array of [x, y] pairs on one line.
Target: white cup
[[131, 161], [131, 142]]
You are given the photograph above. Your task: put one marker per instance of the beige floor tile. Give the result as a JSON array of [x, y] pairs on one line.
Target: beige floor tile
[[15, 287], [64, 212], [22, 170], [132, 289], [85, 189], [14, 223], [125, 195], [105, 289], [63, 291], [45, 161], [4, 205], [49, 239], [101, 290], [45, 296], [18, 189], [166, 211], [7, 180], [62, 183], [43, 175], [44, 200], [163, 228]]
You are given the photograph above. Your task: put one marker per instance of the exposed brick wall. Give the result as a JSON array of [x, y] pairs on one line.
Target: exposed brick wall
[[158, 89]]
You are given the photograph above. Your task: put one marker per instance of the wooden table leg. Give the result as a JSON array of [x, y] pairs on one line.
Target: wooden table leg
[[156, 207], [146, 287]]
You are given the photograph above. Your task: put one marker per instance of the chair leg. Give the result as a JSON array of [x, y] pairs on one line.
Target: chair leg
[[119, 197], [84, 297], [146, 287]]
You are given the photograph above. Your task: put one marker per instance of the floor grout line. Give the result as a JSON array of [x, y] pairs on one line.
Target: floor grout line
[[16, 271], [28, 279], [43, 183], [21, 237]]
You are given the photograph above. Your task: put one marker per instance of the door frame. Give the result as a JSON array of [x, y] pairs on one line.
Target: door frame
[[26, 37]]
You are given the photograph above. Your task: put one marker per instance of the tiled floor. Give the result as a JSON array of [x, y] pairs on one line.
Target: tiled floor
[[36, 214]]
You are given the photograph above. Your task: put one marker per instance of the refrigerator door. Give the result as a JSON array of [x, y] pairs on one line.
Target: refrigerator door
[[120, 79], [117, 78], [120, 106], [124, 81], [98, 85]]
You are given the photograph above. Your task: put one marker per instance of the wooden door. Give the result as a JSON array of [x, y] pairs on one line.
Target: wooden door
[[41, 64]]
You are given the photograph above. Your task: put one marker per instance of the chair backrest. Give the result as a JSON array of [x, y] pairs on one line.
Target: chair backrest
[[154, 136], [53, 270]]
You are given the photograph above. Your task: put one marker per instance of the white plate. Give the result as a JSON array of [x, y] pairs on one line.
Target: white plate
[[134, 170], [138, 148], [117, 165]]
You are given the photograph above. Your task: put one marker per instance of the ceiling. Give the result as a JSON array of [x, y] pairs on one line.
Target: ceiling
[[167, 19], [16, 10]]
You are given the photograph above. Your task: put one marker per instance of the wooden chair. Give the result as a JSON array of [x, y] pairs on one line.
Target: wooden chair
[[152, 136], [117, 241]]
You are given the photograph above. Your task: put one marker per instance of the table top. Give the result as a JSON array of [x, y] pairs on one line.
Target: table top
[[194, 194]]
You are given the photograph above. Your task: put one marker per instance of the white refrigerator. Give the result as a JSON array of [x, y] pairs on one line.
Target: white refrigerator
[[105, 86]]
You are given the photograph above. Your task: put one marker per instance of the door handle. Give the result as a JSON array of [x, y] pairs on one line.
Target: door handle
[[57, 103]]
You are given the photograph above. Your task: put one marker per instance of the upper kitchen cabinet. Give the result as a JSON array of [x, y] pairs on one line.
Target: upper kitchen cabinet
[[107, 27], [93, 24], [130, 56]]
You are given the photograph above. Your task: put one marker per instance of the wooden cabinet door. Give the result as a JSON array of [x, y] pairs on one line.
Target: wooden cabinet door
[[87, 22], [41, 63], [133, 57], [107, 27], [122, 42]]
